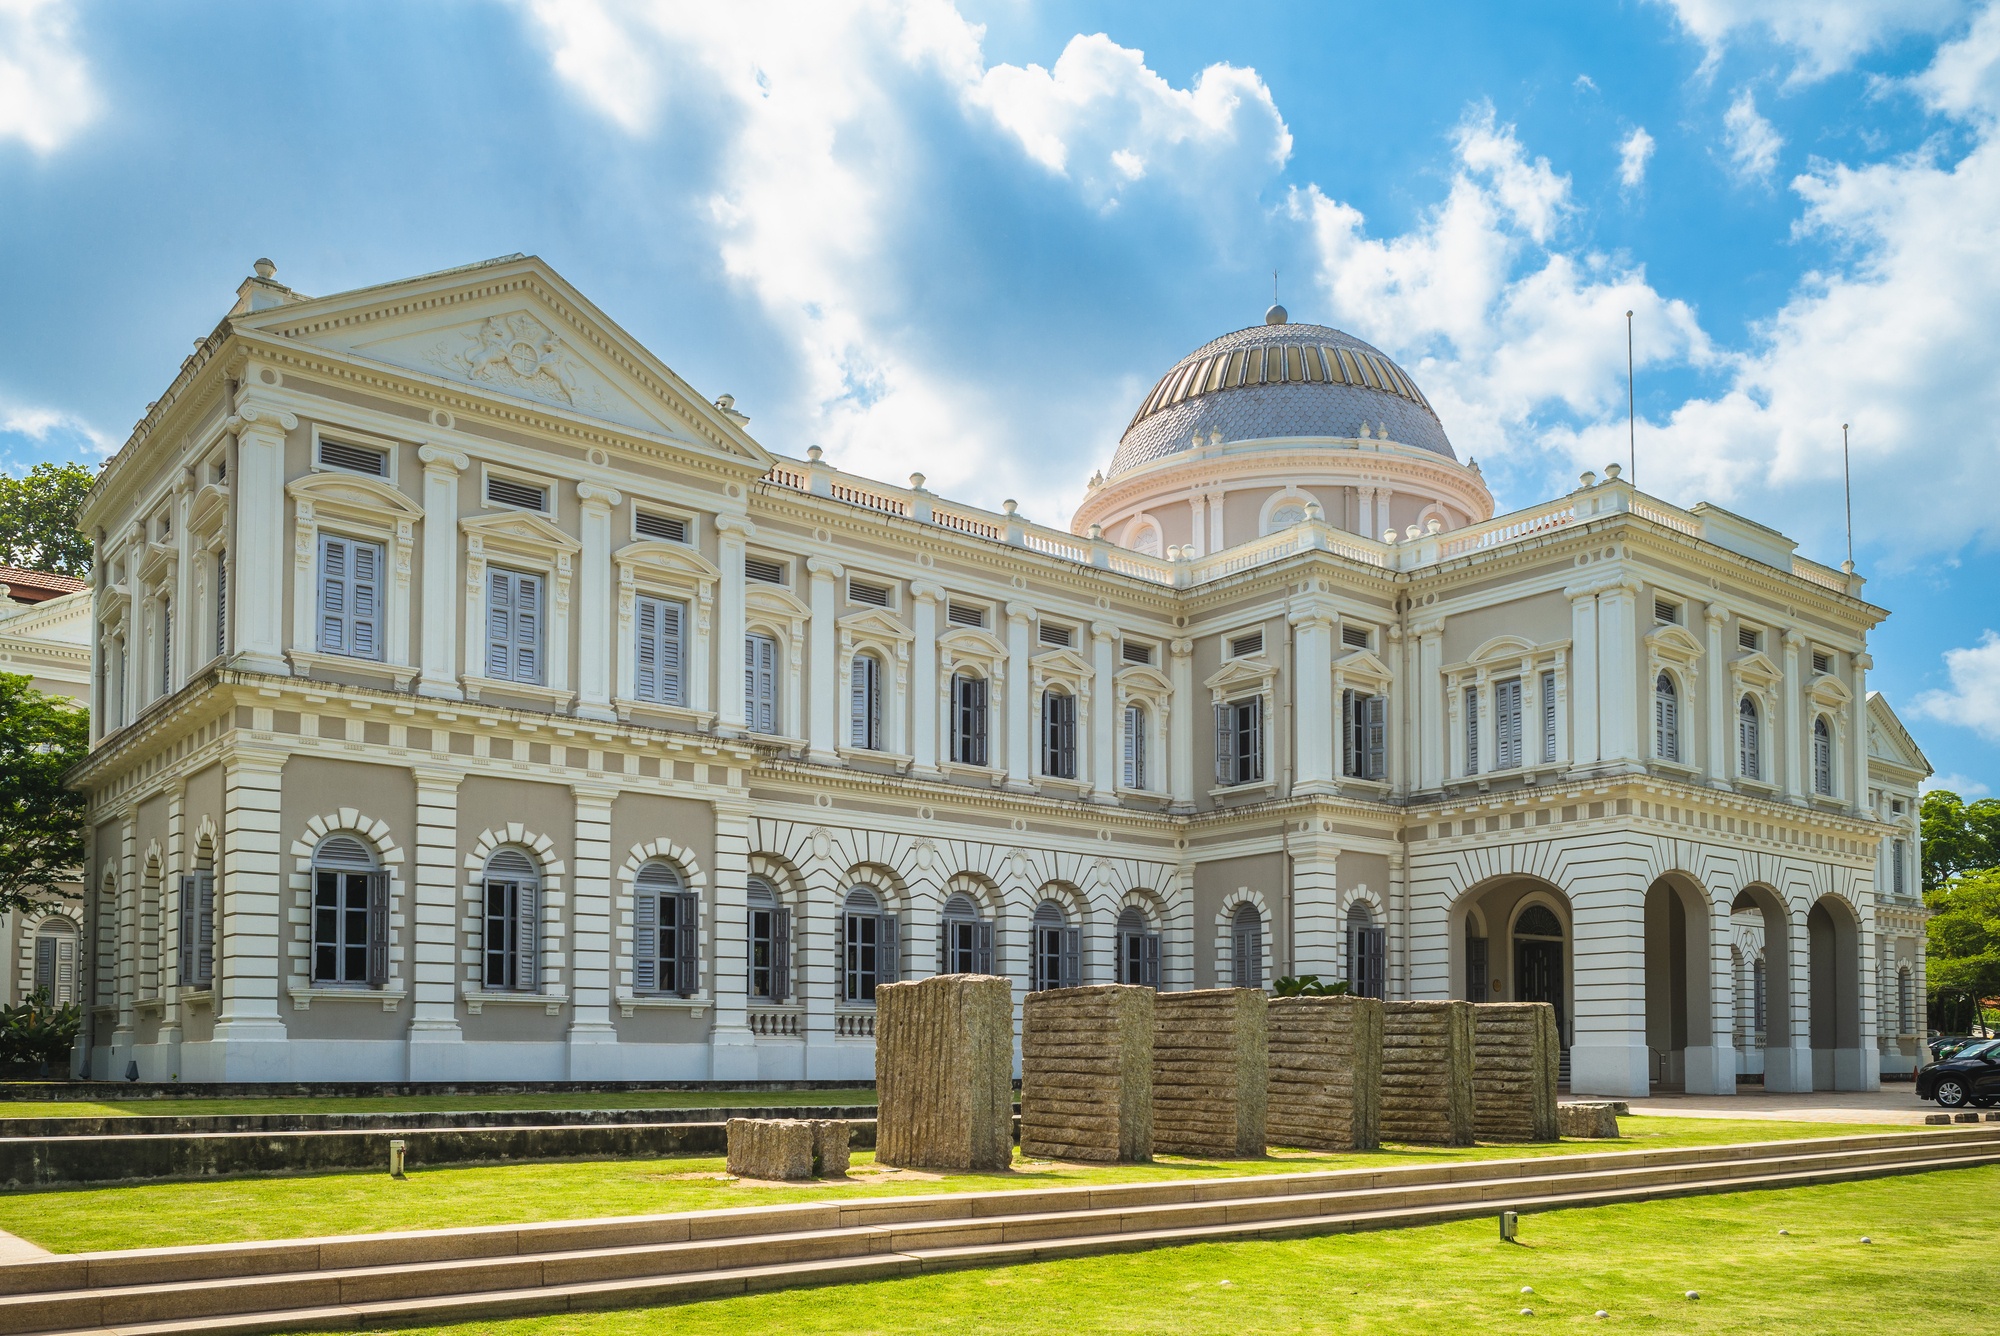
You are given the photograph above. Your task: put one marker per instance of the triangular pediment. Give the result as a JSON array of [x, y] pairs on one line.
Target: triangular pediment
[[1361, 663], [513, 526], [1241, 672], [1889, 741], [1755, 668], [513, 328], [354, 493], [873, 625], [1064, 662]]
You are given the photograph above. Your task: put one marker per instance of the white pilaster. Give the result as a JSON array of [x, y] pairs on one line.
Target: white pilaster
[[1583, 735], [1618, 674], [1020, 704], [1181, 726], [258, 605], [1428, 703], [434, 892], [1715, 759], [593, 603], [1857, 739], [924, 702], [732, 1048], [1312, 641], [593, 1042], [249, 1038], [822, 673], [731, 531], [1105, 722], [1792, 746], [437, 641]]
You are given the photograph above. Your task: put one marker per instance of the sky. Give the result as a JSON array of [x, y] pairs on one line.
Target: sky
[[964, 238]]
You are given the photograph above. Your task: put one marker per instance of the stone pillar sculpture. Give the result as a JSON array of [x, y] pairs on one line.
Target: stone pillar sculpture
[[1427, 1073], [1211, 1069], [944, 1067], [1516, 1051], [1326, 1073], [1087, 1073]]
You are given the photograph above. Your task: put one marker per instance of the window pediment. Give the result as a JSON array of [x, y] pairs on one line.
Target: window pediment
[[872, 625], [1826, 689], [518, 531], [1755, 668], [771, 601], [1503, 648], [210, 509], [1362, 663], [1239, 676], [965, 642], [1061, 663], [352, 494], [1136, 679], [1673, 644]]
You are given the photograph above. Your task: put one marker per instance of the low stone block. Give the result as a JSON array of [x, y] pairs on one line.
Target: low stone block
[[1588, 1121], [775, 1149], [1087, 1073], [831, 1139], [1211, 1072], [1427, 1073], [944, 1072], [1326, 1073], [1937, 1120], [1965, 1117], [1516, 1057]]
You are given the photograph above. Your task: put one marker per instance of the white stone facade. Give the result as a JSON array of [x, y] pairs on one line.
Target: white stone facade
[[423, 752]]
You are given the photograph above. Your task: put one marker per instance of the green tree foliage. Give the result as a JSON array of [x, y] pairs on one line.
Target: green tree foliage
[[38, 519], [38, 1031], [41, 821], [1309, 985], [1964, 956], [1958, 836]]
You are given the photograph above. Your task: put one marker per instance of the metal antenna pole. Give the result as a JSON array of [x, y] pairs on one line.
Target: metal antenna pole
[[1631, 411], [1847, 484]]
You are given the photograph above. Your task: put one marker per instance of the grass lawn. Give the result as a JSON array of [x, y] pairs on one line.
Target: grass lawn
[[227, 1211], [1935, 1236], [619, 1099]]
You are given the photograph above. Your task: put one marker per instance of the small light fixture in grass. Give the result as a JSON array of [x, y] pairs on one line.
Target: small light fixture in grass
[[1527, 1289], [1694, 1294], [398, 1150], [1866, 1239], [1510, 1226], [1527, 1312], [1601, 1313]]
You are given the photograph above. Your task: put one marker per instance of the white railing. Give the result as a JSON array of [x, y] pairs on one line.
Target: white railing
[[1056, 547], [857, 496], [966, 524], [1824, 576], [772, 1023], [1672, 517], [1508, 529], [1269, 548], [854, 1025], [1140, 566]]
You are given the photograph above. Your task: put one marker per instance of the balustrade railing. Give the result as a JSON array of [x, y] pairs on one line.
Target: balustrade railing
[[773, 1023], [854, 1025]]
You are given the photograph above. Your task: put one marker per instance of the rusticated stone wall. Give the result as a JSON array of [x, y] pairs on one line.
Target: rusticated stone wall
[[1211, 1068], [1326, 1073], [1515, 1059], [1087, 1073], [1427, 1073], [944, 1072]]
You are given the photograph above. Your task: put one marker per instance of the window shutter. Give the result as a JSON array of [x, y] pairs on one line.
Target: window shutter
[[1672, 724], [1374, 959], [646, 653], [185, 910], [760, 680], [204, 959], [527, 628], [64, 992], [645, 940], [1472, 730], [781, 955], [333, 636], [1149, 959], [1350, 741], [1475, 968], [364, 602], [1225, 747], [1254, 744], [1072, 958], [378, 929], [1375, 761], [221, 603], [982, 947], [1508, 711], [978, 685], [499, 623], [1066, 736], [687, 944], [888, 950], [857, 700], [1548, 716], [527, 938], [1132, 725]]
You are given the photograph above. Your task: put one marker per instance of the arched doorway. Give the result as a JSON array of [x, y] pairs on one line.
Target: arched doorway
[[1786, 1066], [1833, 1015], [1539, 972], [1680, 1039], [1511, 941]]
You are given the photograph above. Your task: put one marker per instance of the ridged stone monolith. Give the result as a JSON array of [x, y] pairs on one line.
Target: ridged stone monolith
[[1087, 1073], [1326, 1073], [1427, 1073], [1516, 1055], [944, 1073], [1211, 1069], [772, 1149]]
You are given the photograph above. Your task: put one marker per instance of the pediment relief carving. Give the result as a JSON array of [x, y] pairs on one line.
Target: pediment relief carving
[[1362, 663], [366, 496], [517, 529], [965, 642], [774, 602], [1673, 643], [872, 625], [1138, 680]]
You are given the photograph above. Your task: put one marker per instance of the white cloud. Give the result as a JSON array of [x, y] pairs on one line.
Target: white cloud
[[1753, 141], [1827, 35], [41, 428], [1965, 786], [1973, 699], [1634, 152], [46, 94], [1964, 78]]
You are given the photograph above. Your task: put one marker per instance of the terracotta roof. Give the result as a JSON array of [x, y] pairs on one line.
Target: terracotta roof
[[25, 586]]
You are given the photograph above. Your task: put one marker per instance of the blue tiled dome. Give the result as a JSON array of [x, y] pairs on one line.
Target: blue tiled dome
[[1278, 380]]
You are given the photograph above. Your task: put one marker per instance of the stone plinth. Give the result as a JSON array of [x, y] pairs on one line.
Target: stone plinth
[[1588, 1121], [1427, 1073], [831, 1139], [1211, 1067], [1087, 1073], [1516, 1054], [944, 1073], [775, 1149], [1326, 1073]]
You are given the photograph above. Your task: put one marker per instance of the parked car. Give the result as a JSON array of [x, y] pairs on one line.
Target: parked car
[[1969, 1076], [1945, 1045]]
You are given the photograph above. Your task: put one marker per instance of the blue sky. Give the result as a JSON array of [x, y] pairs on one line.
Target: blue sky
[[962, 239]]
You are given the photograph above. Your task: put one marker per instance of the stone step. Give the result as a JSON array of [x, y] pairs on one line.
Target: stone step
[[142, 1124], [936, 1251]]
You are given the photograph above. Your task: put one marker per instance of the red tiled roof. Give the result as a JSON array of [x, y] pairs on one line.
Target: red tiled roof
[[25, 586]]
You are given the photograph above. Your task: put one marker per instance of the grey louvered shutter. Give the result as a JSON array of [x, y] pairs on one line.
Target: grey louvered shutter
[[527, 628], [1548, 716], [1149, 959], [1132, 770], [221, 603], [364, 619], [687, 944], [888, 950], [781, 955], [528, 937], [499, 624], [760, 683], [204, 959], [673, 659], [646, 650], [1225, 747], [333, 634], [982, 947], [1254, 744], [185, 911], [1350, 734], [1375, 760], [645, 940], [378, 929], [64, 991], [1507, 722], [1472, 730], [1071, 975]]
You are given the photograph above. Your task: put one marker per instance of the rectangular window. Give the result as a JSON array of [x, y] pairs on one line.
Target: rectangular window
[[1899, 854], [868, 593], [1666, 723], [1135, 746], [513, 936], [197, 924], [864, 703], [1354, 637], [514, 616], [770, 952], [1134, 652], [658, 626], [870, 953], [1548, 717], [353, 458], [965, 614], [1246, 645], [1749, 753], [221, 604], [1365, 751], [666, 942], [350, 598], [968, 719], [1057, 958], [1239, 742], [1368, 961], [764, 570], [521, 495], [1822, 759], [666, 528], [1051, 634], [350, 927], [1139, 958], [1475, 966], [1472, 730], [1059, 734], [1507, 724], [760, 683]]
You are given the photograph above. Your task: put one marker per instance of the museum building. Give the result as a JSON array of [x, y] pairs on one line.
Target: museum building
[[475, 700]]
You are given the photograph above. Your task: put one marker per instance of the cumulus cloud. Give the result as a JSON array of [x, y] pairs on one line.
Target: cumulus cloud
[[1826, 35], [1634, 152], [38, 426], [1973, 699], [1965, 786], [46, 94], [1753, 142]]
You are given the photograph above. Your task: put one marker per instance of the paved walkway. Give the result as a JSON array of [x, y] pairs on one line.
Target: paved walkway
[[1895, 1102], [14, 1249]]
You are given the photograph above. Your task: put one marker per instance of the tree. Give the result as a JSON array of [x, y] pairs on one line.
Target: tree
[[41, 821], [1958, 836], [38, 519], [1964, 955]]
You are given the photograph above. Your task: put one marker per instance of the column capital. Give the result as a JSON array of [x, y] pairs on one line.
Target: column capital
[[1020, 612], [592, 791], [926, 592], [736, 526], [1864, 660], [1180, 649], [442, 459], [437, 777], [594, 495], [1105, 630], [1715, 614], [250, 417], [826, 566], [1794, 641]]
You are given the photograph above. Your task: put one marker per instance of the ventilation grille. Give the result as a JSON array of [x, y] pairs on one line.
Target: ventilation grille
[[658, 876], [964, 614], [874, 595], [1134, 652], [1822, 661], [507, 492], [509, 863], [342, 851], [764, 569], [1057, 635], [1243, 646], [354, 458], [667, 527], [1354, 637], [1664, 611], [1748, 637]]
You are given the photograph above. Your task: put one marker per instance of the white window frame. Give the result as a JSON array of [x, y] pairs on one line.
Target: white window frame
[[389, 447], [660, 568], [661, 695], [365, 509], [763, 682], [351, 619]]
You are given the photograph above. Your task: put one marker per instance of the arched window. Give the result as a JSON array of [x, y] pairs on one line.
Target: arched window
[[1058, 734], [195, 963], [1247, 946], [965, 939], [1056, 957], [870, 946], [864, 703], [350, 914], [770, 944], [760, 682], [1135, 746], [1749, 743], [1285, 515], [513, 938], [666, 932], [1666, 719], [1822, 756], [968, 719], [55, 961], [1367, 953], [1538, 921], [1138, 949]]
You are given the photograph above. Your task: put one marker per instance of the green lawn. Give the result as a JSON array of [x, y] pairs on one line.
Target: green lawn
[[164, 1214], [621, 1099], [1935, 1236]]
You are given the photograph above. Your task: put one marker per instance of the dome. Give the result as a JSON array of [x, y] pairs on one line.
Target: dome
[[1278, 380]]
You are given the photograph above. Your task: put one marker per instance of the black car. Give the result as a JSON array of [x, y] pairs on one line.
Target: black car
[[1971, 1076]]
